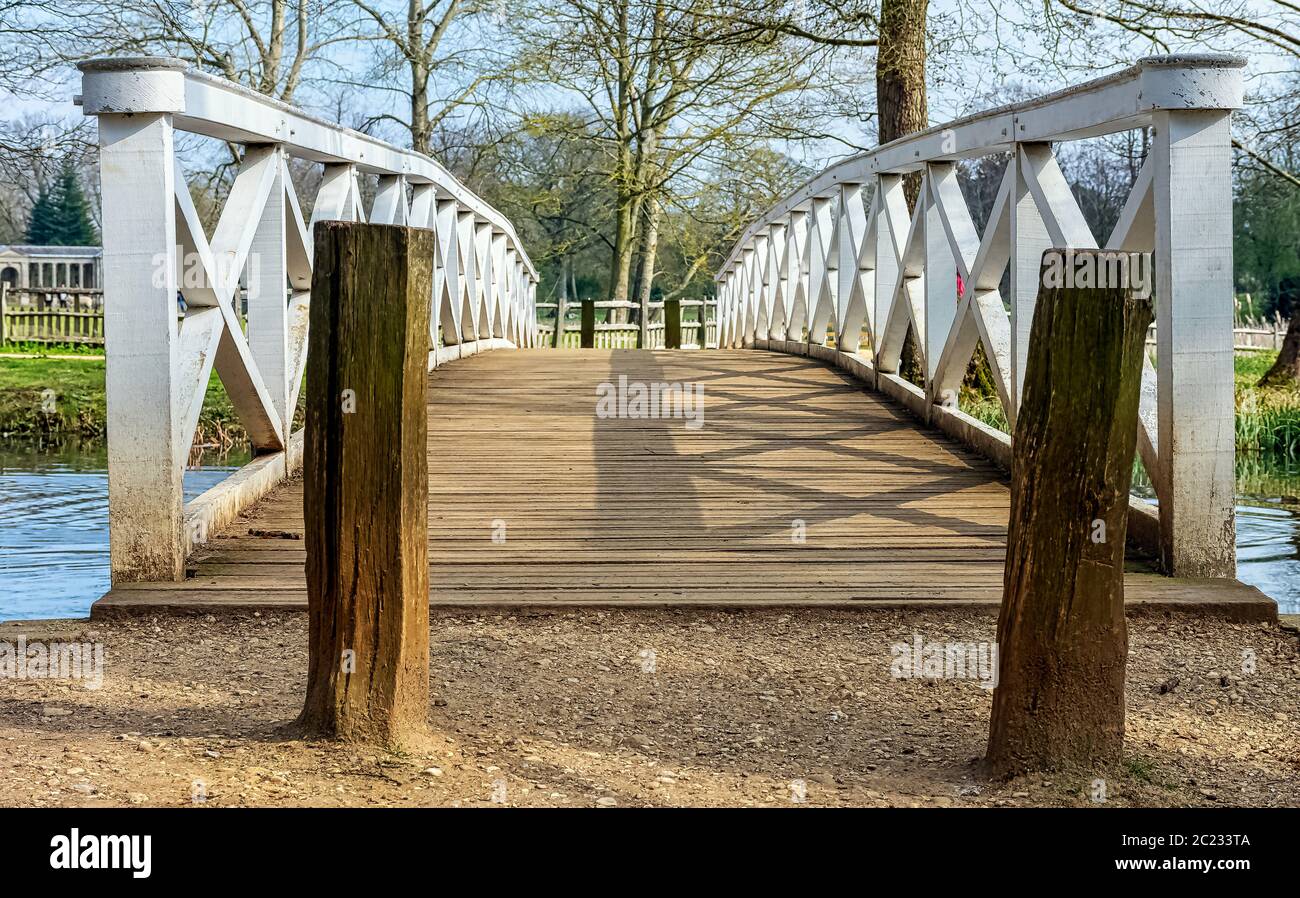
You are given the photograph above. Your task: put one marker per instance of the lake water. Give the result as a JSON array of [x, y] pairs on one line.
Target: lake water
[[54, 526], [1268, 529], [1268, 525]]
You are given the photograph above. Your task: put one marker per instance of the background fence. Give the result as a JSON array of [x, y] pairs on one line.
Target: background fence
[[60, 315], [699, 327]]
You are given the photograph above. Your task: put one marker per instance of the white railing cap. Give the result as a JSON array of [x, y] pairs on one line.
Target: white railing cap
[[133, 84], [128, 63]]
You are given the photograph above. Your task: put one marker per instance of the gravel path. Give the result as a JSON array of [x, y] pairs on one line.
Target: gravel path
[[638, 708]]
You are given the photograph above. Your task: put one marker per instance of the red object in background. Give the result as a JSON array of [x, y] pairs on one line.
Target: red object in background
[[961, 288]]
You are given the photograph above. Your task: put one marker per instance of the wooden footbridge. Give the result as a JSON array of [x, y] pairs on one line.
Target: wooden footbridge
[[799, 489], [800, 469]]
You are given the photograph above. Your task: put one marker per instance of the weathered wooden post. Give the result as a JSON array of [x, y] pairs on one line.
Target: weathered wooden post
[[672, 324], [365, 497], [1062, 640], [561, 311], [588, 324]]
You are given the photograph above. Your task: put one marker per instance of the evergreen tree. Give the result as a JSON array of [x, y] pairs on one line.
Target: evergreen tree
[[75, 225], [42, 226], [61, 217]]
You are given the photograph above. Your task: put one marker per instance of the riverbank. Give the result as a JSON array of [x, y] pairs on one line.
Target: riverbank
[[51, 397], [629, 708], [1268, 418]]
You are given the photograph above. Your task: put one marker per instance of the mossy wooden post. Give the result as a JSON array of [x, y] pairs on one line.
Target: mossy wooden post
[[672, 324], [1062, 640], [365, 496], [588, 324]]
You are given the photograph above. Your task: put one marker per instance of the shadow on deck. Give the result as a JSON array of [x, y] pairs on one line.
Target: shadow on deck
[[800, 489]]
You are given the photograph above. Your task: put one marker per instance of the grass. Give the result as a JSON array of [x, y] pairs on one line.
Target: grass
[[28, 347], [985, 409], [1268, 418], [1139, 768], [74, 405]]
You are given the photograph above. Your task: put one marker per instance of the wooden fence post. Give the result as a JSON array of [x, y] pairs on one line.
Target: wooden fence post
[[1062, 640], [365, 497], [588, 324], [672, 324]]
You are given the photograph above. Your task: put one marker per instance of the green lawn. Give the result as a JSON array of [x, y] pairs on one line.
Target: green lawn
[[27, 347]]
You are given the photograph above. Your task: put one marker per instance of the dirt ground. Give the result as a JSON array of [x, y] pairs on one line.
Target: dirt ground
[[592, 708]]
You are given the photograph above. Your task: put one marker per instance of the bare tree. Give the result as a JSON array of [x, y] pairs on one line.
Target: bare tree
[[268, 45], [667, 82], [417, 36]]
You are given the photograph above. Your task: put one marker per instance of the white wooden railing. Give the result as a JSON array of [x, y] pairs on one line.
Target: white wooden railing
[[843, 254], [159, 363]]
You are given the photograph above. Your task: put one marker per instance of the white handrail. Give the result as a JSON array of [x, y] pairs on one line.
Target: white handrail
[[842, 254], [155, 247], [214, 107]]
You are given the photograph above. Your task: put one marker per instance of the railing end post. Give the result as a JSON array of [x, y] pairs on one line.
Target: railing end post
[[132, 84]]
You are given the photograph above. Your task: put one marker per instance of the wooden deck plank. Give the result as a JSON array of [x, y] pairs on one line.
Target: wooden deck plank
[[652, 514]]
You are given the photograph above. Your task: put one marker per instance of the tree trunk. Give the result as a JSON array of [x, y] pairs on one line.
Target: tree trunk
[[1062, 640], [562, 301], [421, 131], [624, 237], [648, 251], [1286, 370], [365, 495], [901, 108], [900, 76]]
